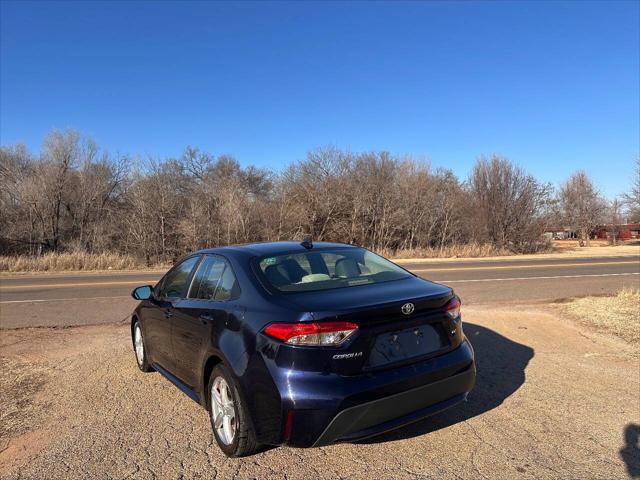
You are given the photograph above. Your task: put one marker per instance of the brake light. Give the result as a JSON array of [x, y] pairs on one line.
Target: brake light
[[453, 307], [312, 333]]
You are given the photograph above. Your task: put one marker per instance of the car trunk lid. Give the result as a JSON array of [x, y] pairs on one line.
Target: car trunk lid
[[386, 335]]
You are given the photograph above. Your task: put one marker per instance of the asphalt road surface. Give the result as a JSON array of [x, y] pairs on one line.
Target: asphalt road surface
[[95, 298]]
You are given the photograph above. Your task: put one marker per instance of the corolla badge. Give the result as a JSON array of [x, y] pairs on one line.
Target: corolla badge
[[342, 356], [408, 308]]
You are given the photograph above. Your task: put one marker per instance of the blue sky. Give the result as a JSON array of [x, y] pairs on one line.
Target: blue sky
[[553, 86]]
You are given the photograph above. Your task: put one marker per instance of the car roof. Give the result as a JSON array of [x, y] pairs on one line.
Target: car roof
[[272, 248]]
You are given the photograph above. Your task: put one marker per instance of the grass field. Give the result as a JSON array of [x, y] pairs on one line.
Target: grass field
[[60, 262], [618, 314]]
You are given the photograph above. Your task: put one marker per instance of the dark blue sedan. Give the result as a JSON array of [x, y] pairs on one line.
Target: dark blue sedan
[[303, 344]]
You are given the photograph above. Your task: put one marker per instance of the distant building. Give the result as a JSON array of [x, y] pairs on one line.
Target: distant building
[[625, 231], [560, 233]]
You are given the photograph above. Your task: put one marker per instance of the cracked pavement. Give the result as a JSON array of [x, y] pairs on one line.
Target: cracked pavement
[[552, 401]]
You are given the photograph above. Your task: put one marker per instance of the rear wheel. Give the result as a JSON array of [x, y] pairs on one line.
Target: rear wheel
[[229, 417], [138, 348]]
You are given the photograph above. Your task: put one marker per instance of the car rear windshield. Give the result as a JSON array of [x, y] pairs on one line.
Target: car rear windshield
[[326, 269]]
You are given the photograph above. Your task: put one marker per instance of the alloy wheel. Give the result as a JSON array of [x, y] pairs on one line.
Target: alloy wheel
[[137, 340], [223, 411]]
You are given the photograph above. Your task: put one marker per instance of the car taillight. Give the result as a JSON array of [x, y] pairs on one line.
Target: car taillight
[[312, 333], [453, 307]]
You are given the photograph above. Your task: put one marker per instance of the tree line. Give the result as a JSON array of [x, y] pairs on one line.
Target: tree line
[[73, 196]]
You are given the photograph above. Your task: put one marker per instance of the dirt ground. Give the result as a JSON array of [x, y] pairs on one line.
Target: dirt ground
[[553, 400]]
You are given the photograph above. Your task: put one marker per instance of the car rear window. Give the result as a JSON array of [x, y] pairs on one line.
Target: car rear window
[[326, 269]]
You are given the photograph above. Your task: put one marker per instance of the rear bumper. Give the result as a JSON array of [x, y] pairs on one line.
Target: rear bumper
[[329, 408], [373, 418]]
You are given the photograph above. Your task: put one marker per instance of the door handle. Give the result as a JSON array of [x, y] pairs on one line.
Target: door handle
[[207, 317], [168, 314]]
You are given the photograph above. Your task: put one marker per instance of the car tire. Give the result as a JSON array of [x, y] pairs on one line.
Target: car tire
[[139, 348], [230, 419]]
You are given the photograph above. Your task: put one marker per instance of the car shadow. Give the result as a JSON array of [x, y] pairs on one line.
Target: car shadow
[[501, 365]]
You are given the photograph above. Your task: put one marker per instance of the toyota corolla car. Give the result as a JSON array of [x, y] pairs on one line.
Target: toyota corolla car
[[303, 344]]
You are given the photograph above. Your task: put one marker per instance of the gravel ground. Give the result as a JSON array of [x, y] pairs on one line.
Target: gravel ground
[[552, 401]]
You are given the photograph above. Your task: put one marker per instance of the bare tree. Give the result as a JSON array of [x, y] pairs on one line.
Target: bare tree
[[17, 229], [615, 219], [581, 205], [61, 155], [508, 204], [632, 198], [74, 196], [96, 187], [312, 188]]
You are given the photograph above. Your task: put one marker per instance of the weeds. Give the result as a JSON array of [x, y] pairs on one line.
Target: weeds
[[450, 251], [618, 314], [55, 262]]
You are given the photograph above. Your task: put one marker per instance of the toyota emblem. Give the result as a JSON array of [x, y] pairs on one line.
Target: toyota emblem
[[408, 308]]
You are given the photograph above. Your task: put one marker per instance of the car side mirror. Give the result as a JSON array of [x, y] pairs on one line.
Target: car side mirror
[[142, 293]]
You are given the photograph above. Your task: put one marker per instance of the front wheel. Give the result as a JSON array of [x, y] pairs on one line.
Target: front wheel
[[138, 348], [229, 416]]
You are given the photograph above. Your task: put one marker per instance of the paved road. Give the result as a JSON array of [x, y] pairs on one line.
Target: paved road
[[93, 298]]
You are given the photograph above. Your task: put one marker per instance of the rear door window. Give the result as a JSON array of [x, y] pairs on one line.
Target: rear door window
[[228, 288], [214, 280], [207, 278]]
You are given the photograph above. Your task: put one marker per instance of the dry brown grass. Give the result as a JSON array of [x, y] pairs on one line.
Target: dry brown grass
[[618, 314], [19, 382], [56, 262], [452, 251], [571, 244], [77, 261]]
